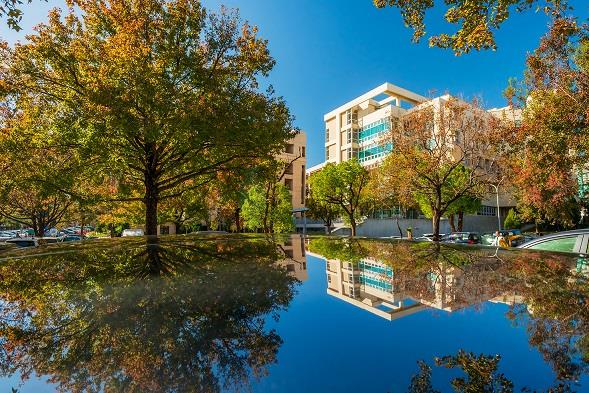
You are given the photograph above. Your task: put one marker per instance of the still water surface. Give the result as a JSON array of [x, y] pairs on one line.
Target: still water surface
[[291, 315]]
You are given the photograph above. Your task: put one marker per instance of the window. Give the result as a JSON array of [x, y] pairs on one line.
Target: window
[[290, 148], [327, 135], [326, 154], [562, 244], [351, 136], [303, 188], [374, 151], [288, 170], [374, 130], [487, 211], [351, 153], [303, 152], [288, 184], [164, 230], [351, 117]]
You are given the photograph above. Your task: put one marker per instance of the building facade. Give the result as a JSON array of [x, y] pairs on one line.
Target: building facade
[[294, 178], [357, 129], [354, 129]]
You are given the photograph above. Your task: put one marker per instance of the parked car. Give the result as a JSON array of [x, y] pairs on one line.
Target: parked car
[[71, 238], [48, 240], [132, 232], [23, 241], [575, 241], [429, 237], [464, 238]]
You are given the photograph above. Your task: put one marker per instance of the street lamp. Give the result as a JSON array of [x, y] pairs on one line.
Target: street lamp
[[496, 186]]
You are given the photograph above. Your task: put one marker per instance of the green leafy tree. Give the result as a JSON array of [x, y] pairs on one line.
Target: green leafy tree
[[477, 21], [272, 217], [10, 9], [322, 210], [342, 185], [37, 174], [480, 371], [512, 220], [165, 92]]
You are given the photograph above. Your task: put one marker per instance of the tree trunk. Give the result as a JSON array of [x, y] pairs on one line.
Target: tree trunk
[[237, 220], [460, 220], [328, 227], [452, 225], [353, 224], [82, 226], [399, 228], [38, 227], [151, 190], [151, 215], [436, 225]]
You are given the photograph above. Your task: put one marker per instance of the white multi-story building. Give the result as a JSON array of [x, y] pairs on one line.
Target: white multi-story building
[[354, 129]]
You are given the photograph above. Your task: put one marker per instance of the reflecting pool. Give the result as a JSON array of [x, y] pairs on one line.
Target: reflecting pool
[[240, 313]]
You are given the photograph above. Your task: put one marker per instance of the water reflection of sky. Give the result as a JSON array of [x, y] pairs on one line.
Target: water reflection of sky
[[330, 345]]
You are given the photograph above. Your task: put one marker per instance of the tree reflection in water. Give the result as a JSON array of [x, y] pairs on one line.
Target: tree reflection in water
[[548, 293], [178, 315]]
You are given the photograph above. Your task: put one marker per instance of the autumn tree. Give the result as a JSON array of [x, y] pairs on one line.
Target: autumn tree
[[37, 174], [438, 157], [476, 21], [137, 316], [547, 149], [342, 185], [165, 92]]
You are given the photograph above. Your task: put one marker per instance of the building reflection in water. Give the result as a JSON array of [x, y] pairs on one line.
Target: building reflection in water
[[369, 285], [375, 286], [295, 259]]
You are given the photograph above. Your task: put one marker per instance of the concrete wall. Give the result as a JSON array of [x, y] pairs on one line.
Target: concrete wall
[[388, 227]]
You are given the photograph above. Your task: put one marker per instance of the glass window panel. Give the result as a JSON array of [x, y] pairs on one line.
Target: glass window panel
[[562, 244]]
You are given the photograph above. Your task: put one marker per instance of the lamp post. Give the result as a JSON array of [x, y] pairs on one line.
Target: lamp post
[[496, 187]]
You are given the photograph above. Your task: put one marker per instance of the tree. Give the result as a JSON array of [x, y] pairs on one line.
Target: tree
[[438, 157], [141, 317], [166, 92], [271, 216], [37, 174], [342, 185], [512, 220], [549, 146], [10, 9], [322, 210], [476, 20], [466, 204]]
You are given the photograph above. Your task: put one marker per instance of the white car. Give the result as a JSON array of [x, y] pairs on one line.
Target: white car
[[132, 232]]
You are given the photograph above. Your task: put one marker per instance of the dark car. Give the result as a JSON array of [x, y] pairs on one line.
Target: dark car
[[574, 241], [464, 238]]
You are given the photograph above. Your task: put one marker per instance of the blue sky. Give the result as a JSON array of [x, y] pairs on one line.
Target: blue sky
[[330, 51]]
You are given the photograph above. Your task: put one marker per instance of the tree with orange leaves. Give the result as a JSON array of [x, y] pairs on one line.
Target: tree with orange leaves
[[549, 148], [166, 93]]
